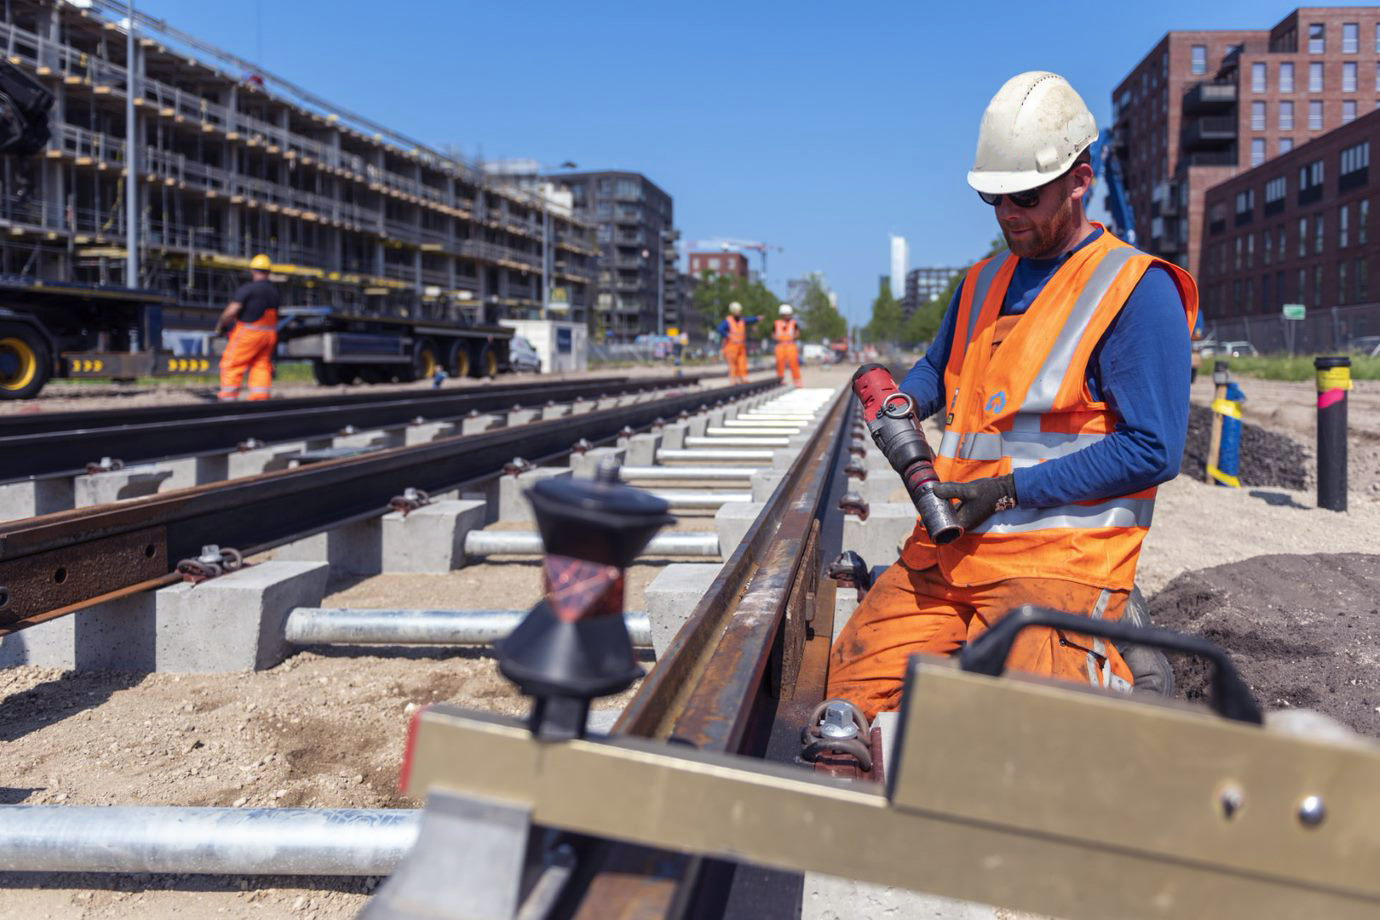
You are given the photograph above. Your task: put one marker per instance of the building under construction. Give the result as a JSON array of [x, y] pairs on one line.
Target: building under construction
[[232, 161]]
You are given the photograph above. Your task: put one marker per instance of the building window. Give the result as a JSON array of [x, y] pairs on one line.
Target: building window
[[1199, 59], [1258, 77], [1377, 38], [1286, 115], [1317, 41], [1286, 144], [1315, 113], [1355, 167], [1257, 151], [1257, 116], [1303, 238], [1351, 37], [1348, 111], [1237, 264], [1265, 292], [1275, 190], [1361, 280], [1250, 251], [1268, 248], [1319, 230], [1348, 76], [1362, 218], [1317, 285], [1315, 77], [1341, 282], [1286, 75], [1342, 214], [1245, 207], [1282, 240], [1303, 285]]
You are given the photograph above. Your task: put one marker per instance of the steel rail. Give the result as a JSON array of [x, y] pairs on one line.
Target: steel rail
[[734, 664], [61, 562], [63, 443]]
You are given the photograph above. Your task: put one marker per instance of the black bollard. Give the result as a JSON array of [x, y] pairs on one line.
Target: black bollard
[[1334, 379]]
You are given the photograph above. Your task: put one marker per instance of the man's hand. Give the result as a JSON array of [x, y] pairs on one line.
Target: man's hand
[[980, 499]]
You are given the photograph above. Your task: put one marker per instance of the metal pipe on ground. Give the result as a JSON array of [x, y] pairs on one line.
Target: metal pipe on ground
[[687, 500], [482, 543], [711, 473], [332, 626], [717, 432], [748, 421], [692, 441], [705, 455], [205, 841]]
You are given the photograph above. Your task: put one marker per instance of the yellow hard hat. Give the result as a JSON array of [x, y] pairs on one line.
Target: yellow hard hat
[[260, 263]]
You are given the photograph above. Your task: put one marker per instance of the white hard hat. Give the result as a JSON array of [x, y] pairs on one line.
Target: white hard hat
[[735, 308], [785, 310], [1032, 131]]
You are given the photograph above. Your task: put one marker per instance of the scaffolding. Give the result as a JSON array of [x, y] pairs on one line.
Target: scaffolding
[[233, 162]]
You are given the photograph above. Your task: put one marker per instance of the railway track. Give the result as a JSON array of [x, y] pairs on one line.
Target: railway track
[[63, 443]]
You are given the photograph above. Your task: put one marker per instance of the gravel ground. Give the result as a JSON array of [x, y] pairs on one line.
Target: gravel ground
[[326, 727]]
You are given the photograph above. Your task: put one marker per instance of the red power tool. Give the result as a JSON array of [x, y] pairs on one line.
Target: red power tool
[[890, 418]]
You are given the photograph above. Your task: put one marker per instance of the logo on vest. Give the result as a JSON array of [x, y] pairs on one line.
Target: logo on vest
[[997, 402]]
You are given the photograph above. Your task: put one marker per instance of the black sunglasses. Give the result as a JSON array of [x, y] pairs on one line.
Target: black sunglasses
[[1026, 199]]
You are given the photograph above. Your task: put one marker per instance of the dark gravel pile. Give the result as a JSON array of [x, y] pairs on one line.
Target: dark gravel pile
[[1267, 459], [1304, 631]]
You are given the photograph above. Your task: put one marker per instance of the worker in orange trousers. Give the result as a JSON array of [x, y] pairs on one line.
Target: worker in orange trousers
[[785, 333], [253, 311], [733, 330]]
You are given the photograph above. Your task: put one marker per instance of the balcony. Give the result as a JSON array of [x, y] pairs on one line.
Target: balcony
[[1214, 158], [1210, 97], [1211, 132]]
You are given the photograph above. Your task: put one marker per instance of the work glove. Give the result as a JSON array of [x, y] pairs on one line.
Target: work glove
[[980, 499]]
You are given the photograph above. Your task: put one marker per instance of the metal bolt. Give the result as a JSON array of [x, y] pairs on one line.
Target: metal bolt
[[837, 723], [210, 555], [1312, 811], [1231, 798]]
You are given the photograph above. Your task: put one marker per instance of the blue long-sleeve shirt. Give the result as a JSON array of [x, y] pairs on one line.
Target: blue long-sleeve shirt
[[722, 328], [1140, 367]]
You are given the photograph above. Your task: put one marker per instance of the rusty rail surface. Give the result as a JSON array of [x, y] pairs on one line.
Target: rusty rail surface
[[62, 562], [752, 657]]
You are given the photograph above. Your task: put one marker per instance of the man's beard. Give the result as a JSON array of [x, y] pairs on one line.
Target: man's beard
[[1043, 242]]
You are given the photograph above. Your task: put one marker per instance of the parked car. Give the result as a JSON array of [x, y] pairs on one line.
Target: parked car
[[1366, 345], [522, 356], [1237, 349]]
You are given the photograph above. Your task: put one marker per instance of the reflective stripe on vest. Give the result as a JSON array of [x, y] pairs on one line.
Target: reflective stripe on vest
[[1024, 447], [784, 331], [980, 289], [1115, 512], [737, 331]]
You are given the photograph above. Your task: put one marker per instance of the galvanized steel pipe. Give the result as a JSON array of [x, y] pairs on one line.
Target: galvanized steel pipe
[[331, 626], [481, 543], [692, 441], [747, 421], [715, 473], [715, 431], [211, 841], [688, 499], [704, 455]]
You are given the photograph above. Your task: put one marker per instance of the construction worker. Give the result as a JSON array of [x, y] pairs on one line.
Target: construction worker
[[785, 333], [733, 330], [1062, 366], [253, 313]]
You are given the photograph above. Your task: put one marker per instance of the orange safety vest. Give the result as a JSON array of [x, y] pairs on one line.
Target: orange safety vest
[[1027, 402], [737, 330], [784, 331]]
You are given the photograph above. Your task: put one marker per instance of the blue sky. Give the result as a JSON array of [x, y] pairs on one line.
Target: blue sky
[[817, 127]]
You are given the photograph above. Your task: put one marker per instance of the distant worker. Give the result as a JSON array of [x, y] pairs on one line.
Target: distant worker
[[785, 333], [733, 330], [253, 314], [1062, 368]]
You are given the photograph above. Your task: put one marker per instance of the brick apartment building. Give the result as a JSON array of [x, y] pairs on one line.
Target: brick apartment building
[[1297, 229], [1203, 106], [718, 263], [924, 285]]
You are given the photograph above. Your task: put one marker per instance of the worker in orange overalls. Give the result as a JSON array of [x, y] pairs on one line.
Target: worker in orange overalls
[[253, 312], [733, 330], [1063, 411], [785, 333]]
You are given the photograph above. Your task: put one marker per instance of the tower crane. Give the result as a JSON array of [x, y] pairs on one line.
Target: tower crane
[[730, 245]]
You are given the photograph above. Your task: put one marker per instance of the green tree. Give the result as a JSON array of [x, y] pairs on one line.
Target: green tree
[[818, 317], [922, 325], [885, 325], [714, 293]]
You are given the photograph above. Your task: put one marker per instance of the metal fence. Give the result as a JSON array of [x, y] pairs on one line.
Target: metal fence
[[1328, 329]]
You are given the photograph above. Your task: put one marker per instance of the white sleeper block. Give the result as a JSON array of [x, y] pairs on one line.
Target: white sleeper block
[[642, 449], [584, 466], [672, 595], [427, 432], [235, 622], [559, 410], [732, 522], [431, 538], [512, 500], [115, 636], [376, 439], [764, 483], [673, 435], [118, 485], [479, 424], [350, 549], [32, 497], [878, 539], [522, 416], [262, 459], [195, 471]]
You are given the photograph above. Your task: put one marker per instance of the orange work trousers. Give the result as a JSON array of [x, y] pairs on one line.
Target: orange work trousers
[[250, 349], [736, 356], [918, 611], [788, 355]]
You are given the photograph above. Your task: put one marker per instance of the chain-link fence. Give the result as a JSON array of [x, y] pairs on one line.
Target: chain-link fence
[[1330, 329]]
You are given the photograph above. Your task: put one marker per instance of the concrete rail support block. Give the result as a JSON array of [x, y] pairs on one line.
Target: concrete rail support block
[[512, 502], [195, 471], [783, 458], [19, 500], [696, 425], [117, 485], [432, 538], [732, 521], [584, 466], [114, 636], [522, 416], [377, 439], [673, 436], [583, 406], [878, 539], [427, 432], [235, 622], [480, 424], [560, 410], [350, 549], [672, 595], [263, 459], [764, 483], [642, 449]]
